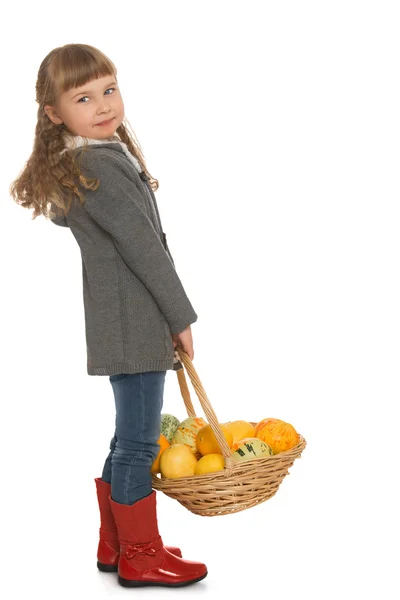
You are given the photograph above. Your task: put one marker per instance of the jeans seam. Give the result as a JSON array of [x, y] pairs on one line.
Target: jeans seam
[[134, 460]]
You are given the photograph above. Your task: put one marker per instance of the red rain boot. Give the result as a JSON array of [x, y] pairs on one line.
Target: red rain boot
[[143, 558], [108, 549]]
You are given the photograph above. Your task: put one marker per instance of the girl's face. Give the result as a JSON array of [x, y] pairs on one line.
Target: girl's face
[[83, 109]]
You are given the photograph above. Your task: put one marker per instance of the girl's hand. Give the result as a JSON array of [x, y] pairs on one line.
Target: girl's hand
[[185, 340]]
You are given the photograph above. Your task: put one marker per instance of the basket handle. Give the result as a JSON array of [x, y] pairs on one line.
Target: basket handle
[[204, 401]]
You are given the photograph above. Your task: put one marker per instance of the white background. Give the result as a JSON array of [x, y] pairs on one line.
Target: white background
[[273, 129]]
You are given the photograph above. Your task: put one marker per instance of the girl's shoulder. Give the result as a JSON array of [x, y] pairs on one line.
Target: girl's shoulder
[[92, 150], [106, 161]]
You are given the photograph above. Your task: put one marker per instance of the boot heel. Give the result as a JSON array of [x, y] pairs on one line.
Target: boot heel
[[107, 568], [133, 583]]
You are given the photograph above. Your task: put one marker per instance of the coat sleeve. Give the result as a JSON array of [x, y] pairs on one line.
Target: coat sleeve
[[116, 207]]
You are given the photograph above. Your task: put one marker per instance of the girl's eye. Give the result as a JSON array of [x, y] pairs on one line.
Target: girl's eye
[[88, 96]]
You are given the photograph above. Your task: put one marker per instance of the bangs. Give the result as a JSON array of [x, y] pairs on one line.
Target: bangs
[[76, 65]]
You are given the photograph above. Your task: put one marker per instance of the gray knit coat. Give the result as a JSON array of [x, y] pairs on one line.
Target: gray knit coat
[[133, 298]]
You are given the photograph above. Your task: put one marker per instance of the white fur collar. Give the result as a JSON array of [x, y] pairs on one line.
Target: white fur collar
[[75, 141]]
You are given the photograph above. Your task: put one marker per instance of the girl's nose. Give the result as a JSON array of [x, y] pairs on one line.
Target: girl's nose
[[103, 107]]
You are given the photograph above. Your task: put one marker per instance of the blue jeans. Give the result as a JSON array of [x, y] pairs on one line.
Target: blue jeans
[[134, 447]]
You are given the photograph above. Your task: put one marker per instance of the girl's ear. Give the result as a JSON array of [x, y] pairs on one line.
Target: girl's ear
[[53, 116]]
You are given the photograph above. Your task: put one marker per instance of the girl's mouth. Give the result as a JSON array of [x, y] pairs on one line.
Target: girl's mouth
[[104, 123]]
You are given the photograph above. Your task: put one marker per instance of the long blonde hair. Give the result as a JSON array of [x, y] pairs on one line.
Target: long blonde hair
[[48, 176]]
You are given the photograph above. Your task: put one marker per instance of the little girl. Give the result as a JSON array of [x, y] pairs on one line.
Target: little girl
[[87, 167]]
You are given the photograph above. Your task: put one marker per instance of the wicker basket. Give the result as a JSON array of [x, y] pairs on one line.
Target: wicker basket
[[240, 485]]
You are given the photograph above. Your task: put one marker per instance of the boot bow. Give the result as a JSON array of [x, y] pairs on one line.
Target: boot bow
[[136, 550]]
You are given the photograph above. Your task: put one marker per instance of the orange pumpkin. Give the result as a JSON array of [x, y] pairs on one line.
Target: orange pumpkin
[[261, 424], [206, 442], [177, 461], [164, 444], [240, 430], [279, 435]]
